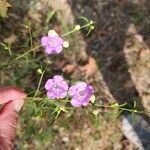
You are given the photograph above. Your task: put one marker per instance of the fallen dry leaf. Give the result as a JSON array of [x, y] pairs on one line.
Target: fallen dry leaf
[[69, 68], [3, 8], [89, 68]]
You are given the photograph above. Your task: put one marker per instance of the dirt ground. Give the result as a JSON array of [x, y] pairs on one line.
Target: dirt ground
[[114, 58]]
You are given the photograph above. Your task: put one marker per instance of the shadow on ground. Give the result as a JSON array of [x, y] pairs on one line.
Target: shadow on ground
[[114, 25], [107, 43]]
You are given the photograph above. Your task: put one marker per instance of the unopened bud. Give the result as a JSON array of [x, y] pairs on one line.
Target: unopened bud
[[66, 44], [92, 98], [52, 33], [95, 112], [77, 27], [39, 71], [115, 105]]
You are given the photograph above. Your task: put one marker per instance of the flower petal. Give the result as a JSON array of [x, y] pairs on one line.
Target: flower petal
[[65, 85], [60, 40], [85, 103], [58, 49], [81, 86], [72, 90], [91, 89], [49, 84], [44, 41], [75, 103], [51, 95], [63, 94], [58, 78], [49, 50]]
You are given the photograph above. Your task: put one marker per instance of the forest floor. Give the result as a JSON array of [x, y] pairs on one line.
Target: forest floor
[[114, 58]]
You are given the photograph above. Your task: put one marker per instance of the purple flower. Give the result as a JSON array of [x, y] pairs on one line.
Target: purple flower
[[80, 94], [53, 44], [56, 87]]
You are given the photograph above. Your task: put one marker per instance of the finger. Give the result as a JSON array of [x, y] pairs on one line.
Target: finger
[[11, 93], [13, 98], [8, 122]]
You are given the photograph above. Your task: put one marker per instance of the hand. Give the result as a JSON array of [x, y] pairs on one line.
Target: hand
[[13, 99]]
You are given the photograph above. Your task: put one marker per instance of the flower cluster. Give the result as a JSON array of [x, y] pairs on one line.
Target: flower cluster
[[80, 93], [57, 87]]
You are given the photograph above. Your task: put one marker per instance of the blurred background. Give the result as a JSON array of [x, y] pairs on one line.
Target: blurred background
[[114, 58]]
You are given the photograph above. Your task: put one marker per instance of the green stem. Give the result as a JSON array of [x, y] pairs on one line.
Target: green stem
[[39, 84], [9, 49], [74, 30], [31, 42], [24, 54], [120, 108]]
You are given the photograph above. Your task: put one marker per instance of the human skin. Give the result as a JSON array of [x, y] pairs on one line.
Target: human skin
[[12, 100]]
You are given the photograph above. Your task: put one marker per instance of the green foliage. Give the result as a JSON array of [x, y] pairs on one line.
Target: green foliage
[[39, 112]]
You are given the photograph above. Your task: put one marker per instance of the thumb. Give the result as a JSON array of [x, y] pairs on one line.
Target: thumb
[[13, 99], [8, 122]]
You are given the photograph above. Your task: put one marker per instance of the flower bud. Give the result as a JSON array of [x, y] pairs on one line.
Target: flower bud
[[77, 27], [66, 44], [52, 33], [92, 99], [39, 71]]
